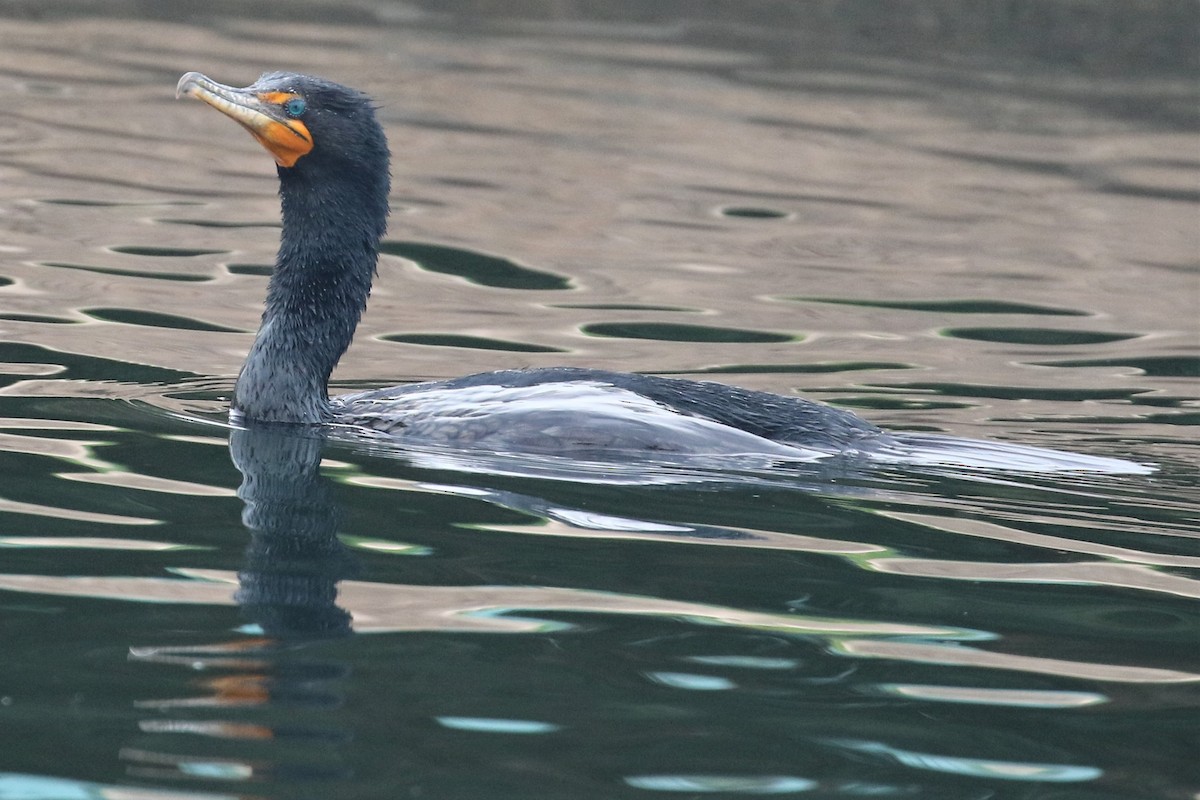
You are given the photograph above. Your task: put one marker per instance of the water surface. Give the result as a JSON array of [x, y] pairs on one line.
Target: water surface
[[980, 226]]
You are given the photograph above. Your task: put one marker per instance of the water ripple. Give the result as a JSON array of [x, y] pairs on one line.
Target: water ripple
[[479, 268]]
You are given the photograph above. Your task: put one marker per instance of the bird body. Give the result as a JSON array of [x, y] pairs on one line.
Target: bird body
[[333, 163], [587, 412]]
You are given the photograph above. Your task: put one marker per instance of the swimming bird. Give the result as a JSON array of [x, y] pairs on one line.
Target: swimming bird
[[333, 164]]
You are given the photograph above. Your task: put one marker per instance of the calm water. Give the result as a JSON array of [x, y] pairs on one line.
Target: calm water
[[981, 226]]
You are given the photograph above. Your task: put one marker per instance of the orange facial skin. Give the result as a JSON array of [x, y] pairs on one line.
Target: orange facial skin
[[261, 113]]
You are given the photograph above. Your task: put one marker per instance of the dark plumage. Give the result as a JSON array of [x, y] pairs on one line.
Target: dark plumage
[[333, 186], [790, 420], [334, 204]]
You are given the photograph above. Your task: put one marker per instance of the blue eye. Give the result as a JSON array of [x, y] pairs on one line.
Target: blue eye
[[295, 107]]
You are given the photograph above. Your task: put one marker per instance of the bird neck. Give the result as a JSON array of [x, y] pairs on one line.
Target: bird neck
[[328, 249]]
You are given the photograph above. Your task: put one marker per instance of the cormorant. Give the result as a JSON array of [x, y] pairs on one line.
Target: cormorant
[[333, 164]]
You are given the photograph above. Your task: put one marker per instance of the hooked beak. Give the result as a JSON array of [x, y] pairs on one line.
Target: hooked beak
[[258, 111]]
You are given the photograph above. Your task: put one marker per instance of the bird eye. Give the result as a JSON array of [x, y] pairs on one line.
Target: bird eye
[[295, 107]]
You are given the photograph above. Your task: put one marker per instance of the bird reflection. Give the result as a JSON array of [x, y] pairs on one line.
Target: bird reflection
[[288, 584], [287, 592]]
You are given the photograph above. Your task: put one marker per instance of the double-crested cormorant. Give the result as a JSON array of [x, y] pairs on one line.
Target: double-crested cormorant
[[332, 159]]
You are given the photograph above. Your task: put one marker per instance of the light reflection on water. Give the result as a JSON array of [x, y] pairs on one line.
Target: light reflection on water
[[999, 248]]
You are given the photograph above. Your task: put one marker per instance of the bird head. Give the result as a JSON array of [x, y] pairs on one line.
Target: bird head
[[304, 122]]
